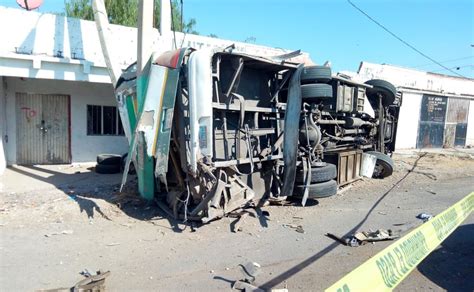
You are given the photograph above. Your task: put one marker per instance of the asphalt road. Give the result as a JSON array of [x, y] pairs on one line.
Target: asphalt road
[[48, 236]]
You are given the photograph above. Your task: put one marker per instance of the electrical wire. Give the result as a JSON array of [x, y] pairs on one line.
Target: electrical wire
[[401, 40], [446, 61], [455, 67]]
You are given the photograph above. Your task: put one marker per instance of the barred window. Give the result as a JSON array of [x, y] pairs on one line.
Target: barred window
[[103, 121]]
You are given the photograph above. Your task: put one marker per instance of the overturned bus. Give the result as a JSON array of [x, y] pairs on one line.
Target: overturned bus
[[212, 131]]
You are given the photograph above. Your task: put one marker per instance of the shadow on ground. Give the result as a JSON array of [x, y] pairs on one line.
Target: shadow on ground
[[309, 261], [83, 187], [451, 266]]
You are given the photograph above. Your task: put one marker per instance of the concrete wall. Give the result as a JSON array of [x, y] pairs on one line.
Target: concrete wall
[[83, 148], [415, 79], [3, 120], [408, 122], [51, 46], [414, 84]]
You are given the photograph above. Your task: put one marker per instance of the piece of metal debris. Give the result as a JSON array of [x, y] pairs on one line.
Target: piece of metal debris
[[424, 216], [247, 287], [65, 232], [113, 244], [250, 271], [297, 228], [237, 225], [348, 240], [361, 238], [378, 235], [92, 283]]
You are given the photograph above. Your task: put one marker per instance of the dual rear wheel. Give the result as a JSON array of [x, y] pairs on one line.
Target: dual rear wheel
[[322, 182]]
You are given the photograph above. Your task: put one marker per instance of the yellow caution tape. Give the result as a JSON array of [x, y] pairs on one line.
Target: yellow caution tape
[[388, 268]]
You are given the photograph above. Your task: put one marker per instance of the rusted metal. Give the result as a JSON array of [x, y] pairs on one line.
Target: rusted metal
[[42, 129], [456, 122], [449, 135], [348, 165], [432, 122], [461, 133], [458, 110]]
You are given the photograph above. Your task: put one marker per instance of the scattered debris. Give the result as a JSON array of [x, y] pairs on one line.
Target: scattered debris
[[66, 232], [297, 228], [382, 213], [236, 225], [85, 273], [94, 283], [361, 238], [349, 240], [378, 235], [247, 287], [250, 271], [300, 229], [424, 216]]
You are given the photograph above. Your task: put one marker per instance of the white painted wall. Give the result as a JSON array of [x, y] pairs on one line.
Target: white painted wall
[[83, 148], [414, 83], [3, 121], [32, 49], [470, 125], [422, 80], [408, 121]]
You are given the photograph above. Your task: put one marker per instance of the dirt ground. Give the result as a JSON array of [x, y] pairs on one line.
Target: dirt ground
[[56, 221]]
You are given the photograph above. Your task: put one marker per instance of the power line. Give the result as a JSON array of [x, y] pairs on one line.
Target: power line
[[401, 40], [455, 67], [445, 61]]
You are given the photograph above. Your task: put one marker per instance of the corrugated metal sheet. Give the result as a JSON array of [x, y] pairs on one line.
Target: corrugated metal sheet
[[458, 110], [449, 135], [42, 129], [456, 122]]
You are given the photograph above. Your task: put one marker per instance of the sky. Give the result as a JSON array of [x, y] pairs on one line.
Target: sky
[[333, 30]]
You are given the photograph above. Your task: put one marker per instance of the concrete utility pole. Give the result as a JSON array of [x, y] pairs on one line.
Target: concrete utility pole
[[102, 24], [165, 22], [145, 33]]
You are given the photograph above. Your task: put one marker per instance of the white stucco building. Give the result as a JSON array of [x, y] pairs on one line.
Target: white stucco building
[[437, 110], [56, 99], [57, 103]]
